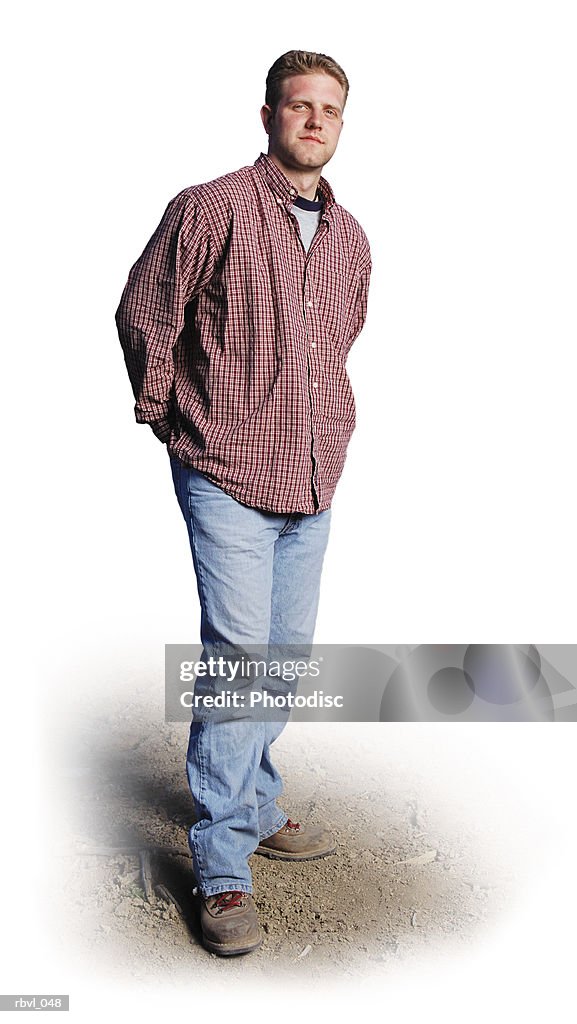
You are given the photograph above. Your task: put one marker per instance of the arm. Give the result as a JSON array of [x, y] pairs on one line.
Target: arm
[[359, 295], [176, 264]]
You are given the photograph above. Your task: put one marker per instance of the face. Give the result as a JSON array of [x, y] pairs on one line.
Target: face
[[305, 128]]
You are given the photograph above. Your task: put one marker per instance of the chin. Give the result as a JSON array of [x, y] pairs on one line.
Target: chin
[[312, 160]]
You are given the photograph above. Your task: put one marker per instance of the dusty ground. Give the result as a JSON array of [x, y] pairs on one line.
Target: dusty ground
[[422, 864]]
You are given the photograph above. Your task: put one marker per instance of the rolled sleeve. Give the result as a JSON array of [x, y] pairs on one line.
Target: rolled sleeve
[[176, 265]]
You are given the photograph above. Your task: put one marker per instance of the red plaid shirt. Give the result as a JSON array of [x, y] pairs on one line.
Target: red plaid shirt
[[236, 339]]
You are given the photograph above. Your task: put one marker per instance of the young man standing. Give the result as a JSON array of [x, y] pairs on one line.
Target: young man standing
[[235, 324]]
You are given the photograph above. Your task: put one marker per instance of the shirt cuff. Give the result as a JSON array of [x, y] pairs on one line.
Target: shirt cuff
[[161, 429]]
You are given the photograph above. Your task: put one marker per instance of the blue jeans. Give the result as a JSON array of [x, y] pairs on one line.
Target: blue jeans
[[258, 575]]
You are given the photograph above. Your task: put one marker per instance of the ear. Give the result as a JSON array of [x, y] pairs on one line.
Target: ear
[[266, 115]]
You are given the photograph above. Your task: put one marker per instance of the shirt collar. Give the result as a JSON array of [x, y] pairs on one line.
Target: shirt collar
[[283, 188]]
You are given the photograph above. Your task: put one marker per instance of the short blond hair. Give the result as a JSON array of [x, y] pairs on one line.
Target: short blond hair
[[301, 62]]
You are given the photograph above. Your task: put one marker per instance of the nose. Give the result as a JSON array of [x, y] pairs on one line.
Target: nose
[[314, 119]]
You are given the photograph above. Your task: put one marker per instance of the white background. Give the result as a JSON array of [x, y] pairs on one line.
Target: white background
[[455, 516]]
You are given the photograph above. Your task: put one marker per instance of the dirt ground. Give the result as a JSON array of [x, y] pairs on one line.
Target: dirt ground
[[426, 858]]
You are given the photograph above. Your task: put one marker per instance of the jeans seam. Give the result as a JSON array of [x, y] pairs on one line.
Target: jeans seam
[[201, 792], [195, 555]]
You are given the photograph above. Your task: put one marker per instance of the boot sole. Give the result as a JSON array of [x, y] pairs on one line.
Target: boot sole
[[224, 950], [279, 855]]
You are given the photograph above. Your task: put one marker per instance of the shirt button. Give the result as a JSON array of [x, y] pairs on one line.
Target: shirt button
[[313, 344], [315, 385], [309, 304]]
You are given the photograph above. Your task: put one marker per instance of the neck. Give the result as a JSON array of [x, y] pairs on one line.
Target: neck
[[306, 182]]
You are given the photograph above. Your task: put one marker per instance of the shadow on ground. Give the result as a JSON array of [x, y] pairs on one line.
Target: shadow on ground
[[407, 876]]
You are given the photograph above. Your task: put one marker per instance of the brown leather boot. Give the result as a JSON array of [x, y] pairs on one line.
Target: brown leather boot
[[298, 842], [230, 924]]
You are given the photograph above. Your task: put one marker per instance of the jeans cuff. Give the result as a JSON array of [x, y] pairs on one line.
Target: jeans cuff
[[213, 890], [266, 835]]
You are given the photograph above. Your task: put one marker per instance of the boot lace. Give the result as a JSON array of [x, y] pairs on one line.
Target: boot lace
[[226, 900]]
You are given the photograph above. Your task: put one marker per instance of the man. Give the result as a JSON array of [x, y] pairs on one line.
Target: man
[[235, 324]]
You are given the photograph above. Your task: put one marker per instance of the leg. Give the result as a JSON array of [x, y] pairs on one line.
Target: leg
[[297, 566], [233, 551], [298, 561]]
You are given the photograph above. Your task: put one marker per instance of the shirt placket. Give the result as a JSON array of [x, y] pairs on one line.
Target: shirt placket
[[315, 396]]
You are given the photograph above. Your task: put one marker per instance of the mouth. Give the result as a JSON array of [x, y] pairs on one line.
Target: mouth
[[311, 138]]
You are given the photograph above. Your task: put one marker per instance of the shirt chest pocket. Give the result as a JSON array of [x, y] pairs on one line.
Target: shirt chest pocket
[[331, 290]]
